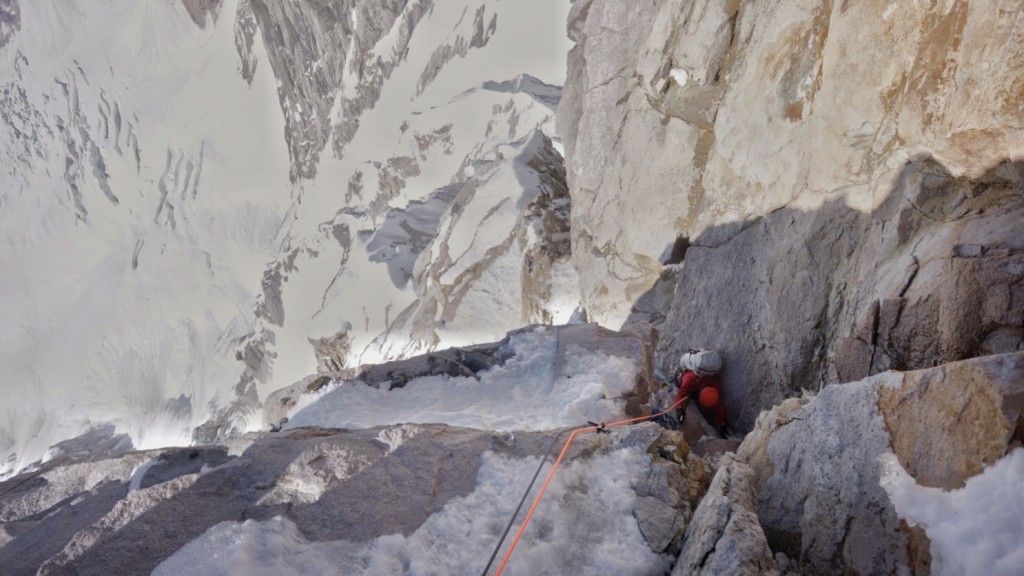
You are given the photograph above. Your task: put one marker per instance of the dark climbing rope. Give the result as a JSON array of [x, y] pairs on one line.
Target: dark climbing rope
[[565, 449], [522, 501]]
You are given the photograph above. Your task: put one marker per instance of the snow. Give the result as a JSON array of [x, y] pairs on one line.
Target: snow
[[975, 530], [522, 394], [123, 318], [591, 532], [139, 473], [366, 296], [118, 317], [395, 436], [406, 232]]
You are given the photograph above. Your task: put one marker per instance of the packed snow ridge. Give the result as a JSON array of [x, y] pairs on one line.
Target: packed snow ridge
[[521, 394]]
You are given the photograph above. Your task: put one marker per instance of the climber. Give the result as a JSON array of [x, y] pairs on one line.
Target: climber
[[698, 382], [661, 400]]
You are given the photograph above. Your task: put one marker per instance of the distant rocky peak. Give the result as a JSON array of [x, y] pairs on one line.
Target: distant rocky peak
[[314, 50], [524, 83], [10, 20], [459, 46], [200, 9]]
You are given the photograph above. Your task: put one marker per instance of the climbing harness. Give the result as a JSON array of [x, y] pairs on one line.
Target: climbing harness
[[600, 428]]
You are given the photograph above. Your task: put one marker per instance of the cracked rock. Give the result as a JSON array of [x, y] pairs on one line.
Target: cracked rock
[[824, 246], [816, 469], [724, 536]]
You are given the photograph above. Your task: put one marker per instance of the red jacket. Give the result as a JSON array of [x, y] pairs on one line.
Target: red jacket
[[690, 385]]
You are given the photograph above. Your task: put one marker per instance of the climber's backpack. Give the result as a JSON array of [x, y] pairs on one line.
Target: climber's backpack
[[702, 362]]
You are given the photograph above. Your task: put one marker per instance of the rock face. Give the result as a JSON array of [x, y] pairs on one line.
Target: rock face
[[816, 461], [10, 20], [624, 158], [127, 515], [809, 179], [834, 295], [725, 536]]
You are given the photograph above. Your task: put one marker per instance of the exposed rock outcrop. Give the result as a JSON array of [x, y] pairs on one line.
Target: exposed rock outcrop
[[725, 536], [309, 45], [521, 265], [338, 488], [330, 57], [836, 204], [469, 234], [199, 10], [10, 20], [802, 299], [816, 460], [627, 163]]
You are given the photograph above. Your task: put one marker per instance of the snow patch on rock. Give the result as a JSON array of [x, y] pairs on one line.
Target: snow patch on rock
[[592, 531], [977, 529], [525, 393]]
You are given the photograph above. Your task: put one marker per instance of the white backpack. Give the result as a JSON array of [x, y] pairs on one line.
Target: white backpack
[[702, 362]]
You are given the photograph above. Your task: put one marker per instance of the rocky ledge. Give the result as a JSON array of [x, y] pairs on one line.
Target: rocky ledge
[[806, 492]]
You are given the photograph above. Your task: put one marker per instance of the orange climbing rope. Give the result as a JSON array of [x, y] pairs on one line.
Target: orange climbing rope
[[565, 449]]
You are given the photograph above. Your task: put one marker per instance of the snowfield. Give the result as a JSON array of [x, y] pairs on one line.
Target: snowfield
[[593, 533], [163, 271], [522, 394]]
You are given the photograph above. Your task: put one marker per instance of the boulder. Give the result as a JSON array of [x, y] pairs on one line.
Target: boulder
[[816, 459], [724, 536]]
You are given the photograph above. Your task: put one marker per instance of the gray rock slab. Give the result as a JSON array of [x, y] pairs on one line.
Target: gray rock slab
[[125, 515], [816, 459], [725, 536]]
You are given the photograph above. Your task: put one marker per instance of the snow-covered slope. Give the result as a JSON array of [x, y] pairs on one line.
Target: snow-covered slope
[[544, 383], [194, 193], [404, 490]]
